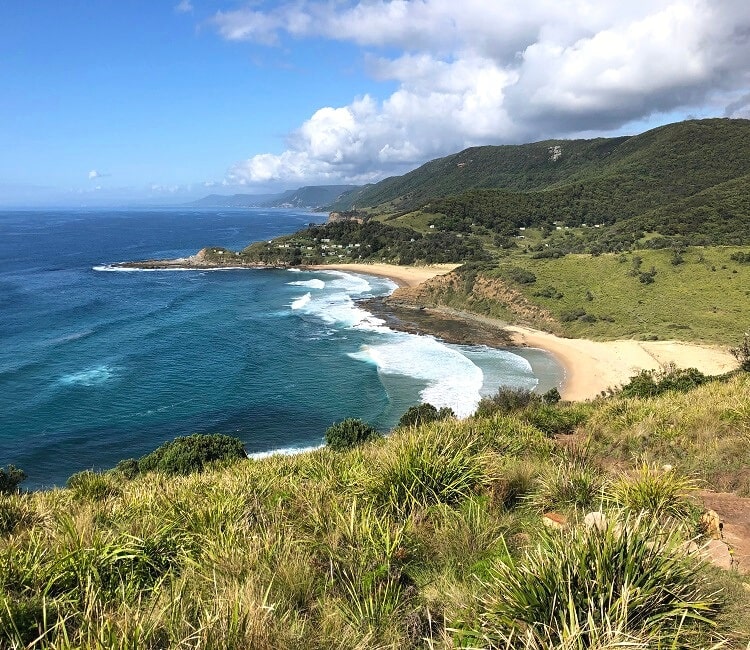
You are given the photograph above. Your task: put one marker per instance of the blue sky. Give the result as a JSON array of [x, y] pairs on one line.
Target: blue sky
[[165, 101]]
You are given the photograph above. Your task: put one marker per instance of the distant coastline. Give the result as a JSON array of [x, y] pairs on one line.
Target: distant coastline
[[591, 367]]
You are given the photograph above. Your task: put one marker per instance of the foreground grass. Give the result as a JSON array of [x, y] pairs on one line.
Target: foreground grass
[[431, 538]]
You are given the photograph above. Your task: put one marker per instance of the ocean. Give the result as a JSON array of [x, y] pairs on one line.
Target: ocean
[[98, 365]]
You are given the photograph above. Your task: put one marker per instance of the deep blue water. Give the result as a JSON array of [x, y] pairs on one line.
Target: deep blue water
[[97, 366]]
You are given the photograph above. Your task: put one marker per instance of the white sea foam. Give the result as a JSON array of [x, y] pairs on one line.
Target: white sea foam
[[283, 451], [89, 377], [300, 302], [121, 269], [452, 379], [312, 284], [349, 282]]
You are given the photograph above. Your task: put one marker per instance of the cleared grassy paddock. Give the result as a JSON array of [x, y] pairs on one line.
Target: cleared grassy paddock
[[705, 298]]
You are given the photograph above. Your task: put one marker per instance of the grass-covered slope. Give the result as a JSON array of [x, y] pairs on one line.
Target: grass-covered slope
[[431, 538]]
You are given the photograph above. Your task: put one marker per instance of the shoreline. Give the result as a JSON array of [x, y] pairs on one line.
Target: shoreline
[[590, 367]]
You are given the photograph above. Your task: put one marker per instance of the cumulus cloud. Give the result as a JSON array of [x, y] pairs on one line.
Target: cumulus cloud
[[93, 175], [477, 72]]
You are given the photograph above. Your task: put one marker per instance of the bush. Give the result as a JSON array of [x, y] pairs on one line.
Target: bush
[[650, 383], [349, 433], [742, 353], [10, 479], [424, 414], [188, 454], [518, 275], [552, 396], [630, 582], [661, 494], [506, 400]]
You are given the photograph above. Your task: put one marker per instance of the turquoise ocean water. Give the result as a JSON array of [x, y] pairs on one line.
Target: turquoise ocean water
[[99, 365]]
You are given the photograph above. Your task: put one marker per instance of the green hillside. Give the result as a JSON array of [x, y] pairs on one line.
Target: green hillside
[[690, 166]]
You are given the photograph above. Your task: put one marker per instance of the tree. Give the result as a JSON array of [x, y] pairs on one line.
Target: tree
[[423, 414], [10, 479], [349, 433]]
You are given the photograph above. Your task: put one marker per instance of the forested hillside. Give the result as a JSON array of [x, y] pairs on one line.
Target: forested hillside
[[684, 178]]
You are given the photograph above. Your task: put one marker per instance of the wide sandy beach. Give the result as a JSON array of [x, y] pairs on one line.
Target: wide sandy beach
[[590, 366]]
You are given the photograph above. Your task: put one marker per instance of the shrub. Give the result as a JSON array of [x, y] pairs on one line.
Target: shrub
[[349, 433], [518, 275], [650, 383], [740, 257], [631, 581], [742, 353], [188, 454], [14, 514], [554, 420], [552, 396], [10, 479], [570, 315], [506, 400], [575, 484], [424, 414]]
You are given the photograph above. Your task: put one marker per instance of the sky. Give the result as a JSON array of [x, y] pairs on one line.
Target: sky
[[154, 101]]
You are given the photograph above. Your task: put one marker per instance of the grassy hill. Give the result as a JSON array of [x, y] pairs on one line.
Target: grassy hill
[[431, 538]]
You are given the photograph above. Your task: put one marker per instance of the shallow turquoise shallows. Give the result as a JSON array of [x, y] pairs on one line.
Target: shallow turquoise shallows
[[99, 365]]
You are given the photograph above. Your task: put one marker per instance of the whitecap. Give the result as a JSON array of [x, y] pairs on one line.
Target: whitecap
[[312, 284], [300, 302], [283, 451], [452, 379], [89, 377]]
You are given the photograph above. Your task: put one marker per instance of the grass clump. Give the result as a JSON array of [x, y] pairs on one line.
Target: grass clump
[[427, 468], [630, 580]]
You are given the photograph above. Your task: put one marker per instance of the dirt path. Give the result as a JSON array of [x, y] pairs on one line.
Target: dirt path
[[734, 512]]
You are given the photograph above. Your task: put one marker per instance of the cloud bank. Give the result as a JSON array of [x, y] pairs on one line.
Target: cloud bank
[[501, 71]]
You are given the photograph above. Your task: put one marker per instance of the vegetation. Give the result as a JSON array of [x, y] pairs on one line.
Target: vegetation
[[183, 455], [349, 433], [431, 538], [424, 414], [10, 479]]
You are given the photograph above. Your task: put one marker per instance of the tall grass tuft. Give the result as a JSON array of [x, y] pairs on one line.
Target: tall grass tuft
[[429, 467], [661, 494], [574, 483], [631, 580]]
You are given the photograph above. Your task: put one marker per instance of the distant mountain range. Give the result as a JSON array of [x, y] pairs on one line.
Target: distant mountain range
[[309, 197]]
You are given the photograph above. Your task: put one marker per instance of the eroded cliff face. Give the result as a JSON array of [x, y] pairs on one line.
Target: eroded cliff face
[[479, 294]]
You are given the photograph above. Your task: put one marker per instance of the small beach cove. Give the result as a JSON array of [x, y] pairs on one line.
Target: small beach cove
[[590, 367]]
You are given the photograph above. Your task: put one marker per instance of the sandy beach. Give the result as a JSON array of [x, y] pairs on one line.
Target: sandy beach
[[590, 366], [404, 276], [594, 366]]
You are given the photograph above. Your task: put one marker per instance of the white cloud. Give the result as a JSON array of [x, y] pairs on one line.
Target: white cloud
[[93, 174], [483, 72], [184, 7]]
